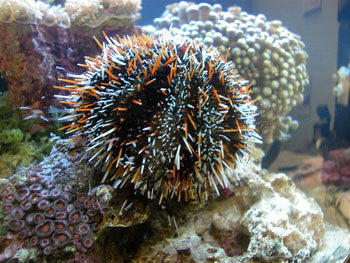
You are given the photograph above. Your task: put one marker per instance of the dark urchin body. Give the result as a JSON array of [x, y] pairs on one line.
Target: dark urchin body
[[166, 114]]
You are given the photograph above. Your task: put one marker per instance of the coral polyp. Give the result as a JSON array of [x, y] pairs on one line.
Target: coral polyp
[[165, 114], [49, 206]]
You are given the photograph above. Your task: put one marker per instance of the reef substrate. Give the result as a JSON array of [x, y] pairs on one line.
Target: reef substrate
[[267, 219], [38, 40]]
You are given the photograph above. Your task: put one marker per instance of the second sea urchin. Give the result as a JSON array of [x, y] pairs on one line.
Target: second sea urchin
[[165, 114]]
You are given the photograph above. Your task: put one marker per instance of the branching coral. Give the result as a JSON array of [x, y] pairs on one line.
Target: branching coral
[[264, 51]]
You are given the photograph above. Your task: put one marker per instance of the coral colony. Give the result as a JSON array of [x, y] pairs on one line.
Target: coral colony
[[165, 114], [48, 208], [265, 52], [53, 34]]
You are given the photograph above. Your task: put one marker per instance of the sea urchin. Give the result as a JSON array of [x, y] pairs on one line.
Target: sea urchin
[[166, 114]]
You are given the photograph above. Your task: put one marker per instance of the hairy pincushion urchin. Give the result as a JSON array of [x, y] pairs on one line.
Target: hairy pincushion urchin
[[166, 114]]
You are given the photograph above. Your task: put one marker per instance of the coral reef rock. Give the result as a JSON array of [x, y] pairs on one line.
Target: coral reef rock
[[266, 220], [343, 204], [265, 52], [50, 208], [39, 39], [283, 224], [342, 87]]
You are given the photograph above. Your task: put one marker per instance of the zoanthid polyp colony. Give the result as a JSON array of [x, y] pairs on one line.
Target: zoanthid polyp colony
[[166, 114], [49, 207]]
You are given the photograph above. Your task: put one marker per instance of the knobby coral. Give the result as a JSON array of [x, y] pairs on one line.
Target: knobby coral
[[263, 51]]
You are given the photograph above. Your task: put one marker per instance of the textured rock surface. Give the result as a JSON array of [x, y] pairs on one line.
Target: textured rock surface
[[46, 37], [284, 224], [266, 220], [336, 247]]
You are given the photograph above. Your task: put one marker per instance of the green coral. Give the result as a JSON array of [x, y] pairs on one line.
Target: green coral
[[26, 255], [10, 137], [9, 118], [18, 147], [3, 230], [10, 134]]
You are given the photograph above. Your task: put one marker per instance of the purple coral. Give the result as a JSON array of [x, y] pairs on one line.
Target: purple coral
[[45, 211]]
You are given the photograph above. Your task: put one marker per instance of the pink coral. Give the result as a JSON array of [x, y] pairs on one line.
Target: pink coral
[[336, 170]]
